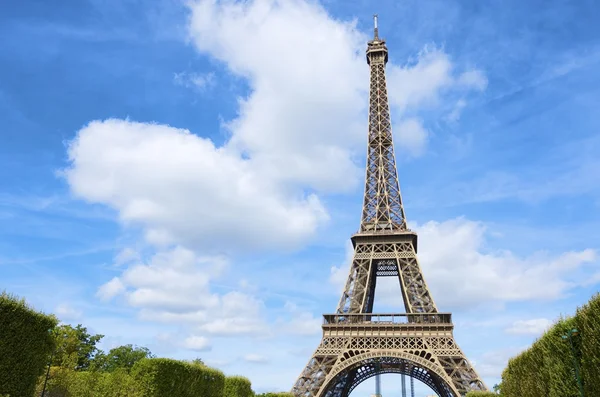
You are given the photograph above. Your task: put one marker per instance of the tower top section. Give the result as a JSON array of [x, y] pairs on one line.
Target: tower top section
[[383, 211], [376, 49]]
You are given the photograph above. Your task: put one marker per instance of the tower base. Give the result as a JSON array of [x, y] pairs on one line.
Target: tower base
[[356, 347]]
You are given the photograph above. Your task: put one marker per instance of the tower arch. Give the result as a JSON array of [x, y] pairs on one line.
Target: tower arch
[[351, 372]]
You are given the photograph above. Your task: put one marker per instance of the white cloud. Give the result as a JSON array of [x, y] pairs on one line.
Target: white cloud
[[536, 326], [419, 82], [197, 80], [412, 136], [301, 322], [256, 358], [493, 363], [181, 189], [174, 287], [197, 343], [473, 79], [454, 115], [110, 289], [65, 312], [339, 274], [126, 255], [461, 273]]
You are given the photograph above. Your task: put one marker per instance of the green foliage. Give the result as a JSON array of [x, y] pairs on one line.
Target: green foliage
[[237, 386], [588, 323], [547, 368], [481, 394], [25, 345], [198, 361], [75, 341], [161, 377], [66, 382], [120, 357], [281, 394]]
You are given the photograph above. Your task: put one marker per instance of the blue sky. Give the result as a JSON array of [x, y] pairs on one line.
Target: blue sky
[[230, 241]]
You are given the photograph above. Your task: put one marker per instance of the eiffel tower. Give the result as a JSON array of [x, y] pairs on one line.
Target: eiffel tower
[[358, 344]]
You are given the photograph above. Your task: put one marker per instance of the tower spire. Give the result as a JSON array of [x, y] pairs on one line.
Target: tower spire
[[382, 206], [376, 29]]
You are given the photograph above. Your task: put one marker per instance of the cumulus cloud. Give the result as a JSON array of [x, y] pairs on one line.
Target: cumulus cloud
[[181, 189], [197, 343], [173, 286], [461, 273], [110, 289]]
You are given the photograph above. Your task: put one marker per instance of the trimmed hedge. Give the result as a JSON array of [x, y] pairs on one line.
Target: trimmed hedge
[[546, 369], [64, 382], [237, 386], [588, 323], [481, 394], [163, 377], [25, 345]]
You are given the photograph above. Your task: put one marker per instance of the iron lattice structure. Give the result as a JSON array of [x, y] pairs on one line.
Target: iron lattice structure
[[358, 344]]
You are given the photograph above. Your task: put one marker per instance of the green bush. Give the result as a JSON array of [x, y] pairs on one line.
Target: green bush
[[237, 386], [588, 323], [25, 346], [66, 382], [481, 394], [162, 377], [546, 369]]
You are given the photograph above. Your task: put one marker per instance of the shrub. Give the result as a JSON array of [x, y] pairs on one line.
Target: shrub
[[481, 394], [25, 346], [66, 382], [547, 368], [162, 377], [588, 323], [237, 386]]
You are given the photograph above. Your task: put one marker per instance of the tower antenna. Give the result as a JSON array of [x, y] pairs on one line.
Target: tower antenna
[[376, 29]]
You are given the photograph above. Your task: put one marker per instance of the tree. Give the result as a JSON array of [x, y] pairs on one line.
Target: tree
[[198, 361], [75, 347], [121, 357], [498, 388]]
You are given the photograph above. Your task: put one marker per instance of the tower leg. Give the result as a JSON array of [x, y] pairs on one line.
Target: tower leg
[[403, 385]]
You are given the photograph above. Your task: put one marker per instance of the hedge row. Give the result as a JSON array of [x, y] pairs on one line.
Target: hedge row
[[481, 394], [588, 323], [160, 377], [237, 386], [546, 369], [25, 346], [150, 377], [66, 382]]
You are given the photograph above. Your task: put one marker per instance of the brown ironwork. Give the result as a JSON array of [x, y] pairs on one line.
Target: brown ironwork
[[357, 343]]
